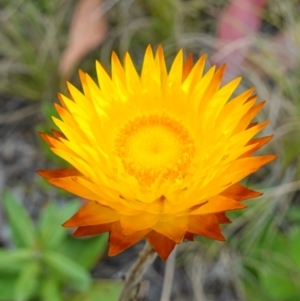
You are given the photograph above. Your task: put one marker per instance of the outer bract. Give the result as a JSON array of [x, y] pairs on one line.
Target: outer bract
[[157, 155]]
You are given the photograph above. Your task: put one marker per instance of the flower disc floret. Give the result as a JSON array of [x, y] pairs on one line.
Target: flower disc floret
[[154, 145]]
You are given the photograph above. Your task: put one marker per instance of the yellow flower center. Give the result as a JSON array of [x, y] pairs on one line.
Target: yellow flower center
[[154, 145]]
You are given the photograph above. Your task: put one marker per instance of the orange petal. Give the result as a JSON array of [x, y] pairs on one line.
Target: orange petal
[[92, 230], [205, 225], [195, 74], [134, 223], [118, 242], [215, 83], [241, 168], [189, 236], [217, 204], [187, 67], [58, 173], [222, 218], [60, 97], [253, 111], [70, 185], [58, 134], [239, 192], [259, 143], [46, 137], [160, 63], [174, 229], [92, 214], [161, 244]]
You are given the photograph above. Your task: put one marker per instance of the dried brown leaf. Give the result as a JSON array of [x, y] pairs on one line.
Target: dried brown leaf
[[87, 31]]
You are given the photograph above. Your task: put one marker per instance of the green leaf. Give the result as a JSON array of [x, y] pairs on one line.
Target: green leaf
[[27, 282], [11, 259], [52, 233], [23, 232], [279, 285], [107, 290], [6, 286], [294, 214], [90, 249], [295, 247], [50, 290], [255, 292], [68, 268]]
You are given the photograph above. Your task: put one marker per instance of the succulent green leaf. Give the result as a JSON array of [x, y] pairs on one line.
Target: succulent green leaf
[[11, 259], [52, 234], [22, 228], [50, 290], [91, 250], [68, 268], [6, 284], [27, 282]]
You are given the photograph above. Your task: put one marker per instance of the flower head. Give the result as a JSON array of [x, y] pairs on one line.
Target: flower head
[[158, 155]]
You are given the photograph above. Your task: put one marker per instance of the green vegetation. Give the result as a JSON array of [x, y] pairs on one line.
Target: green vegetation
[[45, 262], [260, 260]]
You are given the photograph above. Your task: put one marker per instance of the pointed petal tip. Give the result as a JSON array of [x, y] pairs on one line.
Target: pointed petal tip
[[269, 158], [220, 72], [82, 232], [203, 57], [81, 72], [149, 51], [78, 234], [257, 194], [41, 172], [114, 54], [161, 244], [113, 251], [114, 59], [45, 138], [160, 48], [68, 224], [222, 218], [159, 51], [221, 238], [98, 65]]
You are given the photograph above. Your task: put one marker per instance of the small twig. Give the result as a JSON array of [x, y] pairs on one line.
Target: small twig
[[136, 272], [169, 275], [19, 114]]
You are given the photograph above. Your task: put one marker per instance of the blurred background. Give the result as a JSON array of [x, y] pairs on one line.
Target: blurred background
[[43, 43]]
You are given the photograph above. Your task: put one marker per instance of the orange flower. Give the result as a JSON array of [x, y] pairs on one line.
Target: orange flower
[[158, 155]]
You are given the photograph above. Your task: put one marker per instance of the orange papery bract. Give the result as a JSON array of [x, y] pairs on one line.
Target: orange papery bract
[[158, 155]]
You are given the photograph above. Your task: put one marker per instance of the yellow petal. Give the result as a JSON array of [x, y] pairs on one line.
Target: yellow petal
[[134, 223]]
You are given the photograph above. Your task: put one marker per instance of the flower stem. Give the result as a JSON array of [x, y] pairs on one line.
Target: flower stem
[[169, 275], [137, 270]]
